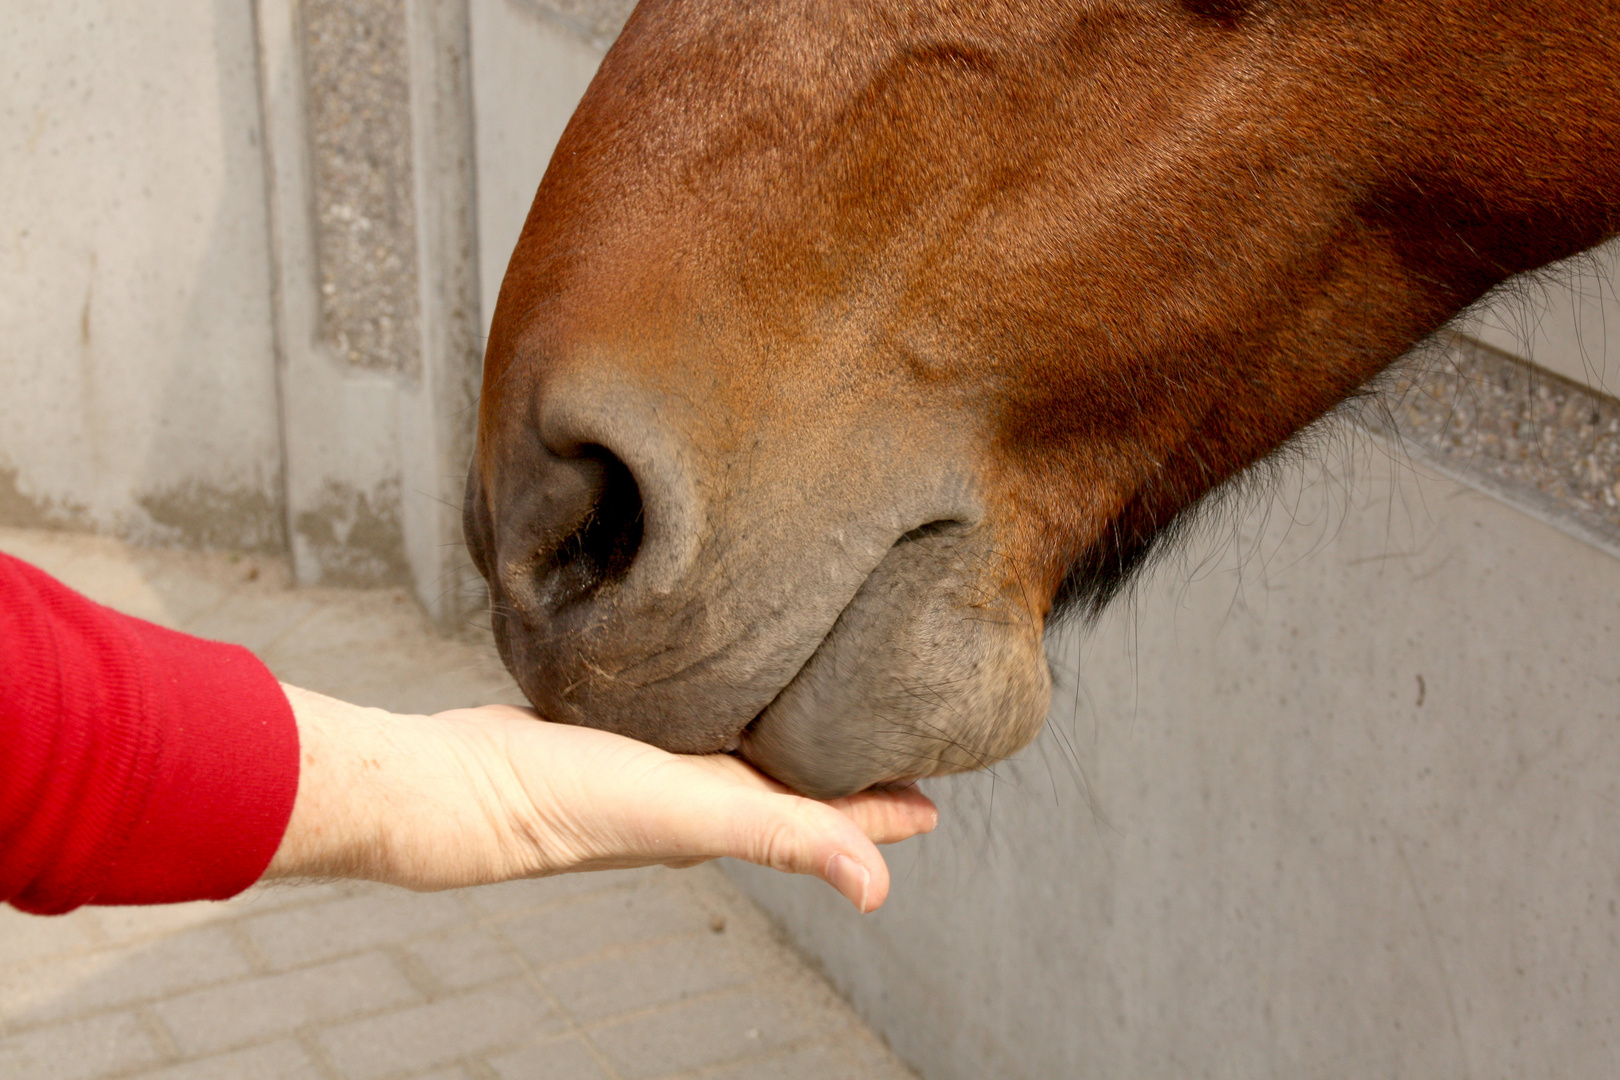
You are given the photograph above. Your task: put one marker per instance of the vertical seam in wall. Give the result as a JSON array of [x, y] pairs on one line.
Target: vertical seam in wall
[[445, 197], [278, 321], [421, 40]]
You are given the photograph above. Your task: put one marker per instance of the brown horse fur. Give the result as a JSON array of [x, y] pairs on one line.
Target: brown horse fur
[[845, 340]]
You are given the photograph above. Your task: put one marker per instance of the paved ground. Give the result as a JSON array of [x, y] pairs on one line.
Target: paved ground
[[624, 975]]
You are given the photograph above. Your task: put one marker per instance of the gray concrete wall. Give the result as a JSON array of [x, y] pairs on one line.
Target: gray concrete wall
[[533, 61], [1335, 795], [371, 189], [1565, 318], [239, 300], [136, 337]]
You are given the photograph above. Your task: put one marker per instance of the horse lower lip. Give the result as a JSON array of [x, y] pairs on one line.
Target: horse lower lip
[[736, 741], [836, 636]]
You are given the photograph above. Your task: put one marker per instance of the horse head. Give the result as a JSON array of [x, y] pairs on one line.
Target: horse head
[[847, 344]]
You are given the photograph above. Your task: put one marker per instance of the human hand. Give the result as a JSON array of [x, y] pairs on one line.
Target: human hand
[[474, 796]]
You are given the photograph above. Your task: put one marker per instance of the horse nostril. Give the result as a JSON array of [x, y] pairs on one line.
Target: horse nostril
[[600, 525], [932, 528]]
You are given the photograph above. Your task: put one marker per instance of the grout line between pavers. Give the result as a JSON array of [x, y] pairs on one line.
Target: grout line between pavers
[[313, 1027], [257, 961], [99, 938], [462, 1063], [532, 977], [298, 624], [716, 1067], [159, 1033], [418, 974], [324, 1064], [134, 1005], [760, 983], [615, 951], [552, 905], [476, 1069], [229, 593], [141, 1003], [102, 942], [233, 925], [492, 921]]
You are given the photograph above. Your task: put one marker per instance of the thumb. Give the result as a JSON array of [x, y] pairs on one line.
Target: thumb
[[802, 836]]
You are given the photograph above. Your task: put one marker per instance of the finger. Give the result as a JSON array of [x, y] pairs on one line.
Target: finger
[[488, 714], [887, 817], [681, 812], [801, 836]]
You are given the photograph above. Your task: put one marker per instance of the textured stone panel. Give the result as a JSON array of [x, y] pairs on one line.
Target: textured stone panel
[[597, 20], [357, 64], [1516, 430]]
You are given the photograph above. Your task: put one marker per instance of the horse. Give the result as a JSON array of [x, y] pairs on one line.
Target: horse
[[845, 348]]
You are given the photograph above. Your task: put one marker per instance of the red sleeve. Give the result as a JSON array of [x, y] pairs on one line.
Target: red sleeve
[[137, 765]]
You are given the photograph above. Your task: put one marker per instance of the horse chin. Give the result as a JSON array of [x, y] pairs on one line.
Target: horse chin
[[921, 675], [867, 661]]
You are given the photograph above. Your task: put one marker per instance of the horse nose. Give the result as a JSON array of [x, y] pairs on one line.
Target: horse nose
[[580, 531]]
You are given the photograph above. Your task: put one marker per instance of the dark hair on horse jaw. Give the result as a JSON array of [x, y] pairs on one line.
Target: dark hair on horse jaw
[[1144, 531], [1128, 546], [1221, 12]]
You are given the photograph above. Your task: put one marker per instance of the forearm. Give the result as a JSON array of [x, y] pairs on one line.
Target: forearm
[[387, 797], [483, 795]]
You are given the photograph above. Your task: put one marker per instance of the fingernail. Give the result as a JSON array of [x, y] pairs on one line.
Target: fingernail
[[850, 878]]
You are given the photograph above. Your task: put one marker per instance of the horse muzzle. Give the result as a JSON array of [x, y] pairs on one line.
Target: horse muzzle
[[832, 608]]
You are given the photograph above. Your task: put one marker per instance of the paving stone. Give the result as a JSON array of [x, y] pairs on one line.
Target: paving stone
[[593, 923], [560, 1059], [541, 892], [126, 925], [79, 1049], [245, 1012], [122, 925], [466, 957], [656, 975], [24, 938], [354, 924], [120, 576], [709, 1031], [814, 1061], [283, 1060], [386, 627], [490, 1020], [275, 895], [112, 978], [254, 618]]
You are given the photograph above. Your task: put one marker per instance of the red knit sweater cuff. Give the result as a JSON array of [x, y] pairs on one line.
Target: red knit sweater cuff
[[138, 765], [225, 781]]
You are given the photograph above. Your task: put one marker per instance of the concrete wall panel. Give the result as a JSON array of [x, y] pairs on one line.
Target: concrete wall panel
[[531, 65], [1334, 797], [1565, 318], [135, 327]]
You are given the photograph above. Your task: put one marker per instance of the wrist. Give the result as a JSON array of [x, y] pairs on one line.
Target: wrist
[[384, 797]]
